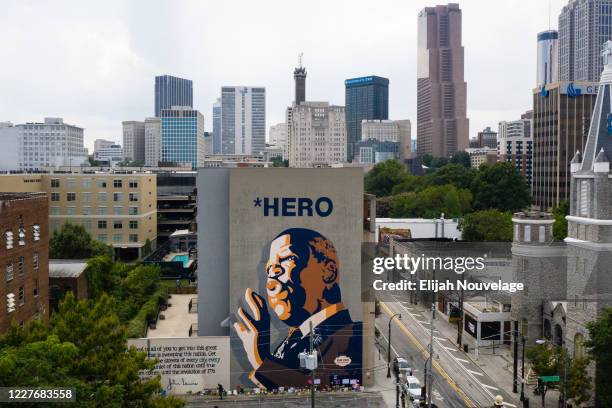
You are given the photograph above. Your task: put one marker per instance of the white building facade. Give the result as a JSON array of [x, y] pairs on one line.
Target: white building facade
[[243, 120], [152, 142], [9, 140], [277, 137], [317, 132], [515, 145]]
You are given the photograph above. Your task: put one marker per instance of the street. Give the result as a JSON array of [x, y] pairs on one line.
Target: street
[[458, 382]]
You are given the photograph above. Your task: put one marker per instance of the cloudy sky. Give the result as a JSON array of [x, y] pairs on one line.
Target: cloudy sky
[[94, 63]]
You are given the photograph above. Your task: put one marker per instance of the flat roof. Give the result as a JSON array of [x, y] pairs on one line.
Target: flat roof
[[66, 268]]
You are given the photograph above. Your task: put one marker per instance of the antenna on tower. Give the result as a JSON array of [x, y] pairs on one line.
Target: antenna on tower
[[300, 57]]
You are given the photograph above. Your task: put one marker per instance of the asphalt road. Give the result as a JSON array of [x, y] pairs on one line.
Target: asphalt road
[[458, 382]]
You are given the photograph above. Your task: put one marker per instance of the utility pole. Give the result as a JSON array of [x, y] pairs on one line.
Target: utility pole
[[460, 322], [312, 373], [515, 362], [429, 372], [523, 369], [564, 374]]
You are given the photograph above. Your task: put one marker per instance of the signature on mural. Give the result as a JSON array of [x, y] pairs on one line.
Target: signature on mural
[[302, 280], [180, 381]]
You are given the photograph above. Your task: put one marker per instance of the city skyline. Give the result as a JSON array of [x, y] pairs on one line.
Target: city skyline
[[111, 62]]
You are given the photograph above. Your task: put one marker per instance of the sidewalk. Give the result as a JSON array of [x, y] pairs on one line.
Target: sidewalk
[[383, 385], [498, 367]]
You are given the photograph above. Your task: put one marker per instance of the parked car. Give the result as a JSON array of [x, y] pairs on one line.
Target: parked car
[[412, 387], [400, 364]]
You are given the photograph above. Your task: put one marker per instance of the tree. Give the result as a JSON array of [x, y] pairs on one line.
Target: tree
[[486, 225], [455, 174], [147, 248], [462, 158], [438, 162], [383, 176], [500, 186], [431, 202], [70, 353], [579, 383], [560, 225], [598, 345], [72, 241], [411, 183], [278, 162]]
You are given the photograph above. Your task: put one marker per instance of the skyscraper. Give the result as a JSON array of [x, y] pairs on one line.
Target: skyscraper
[[366, 98], [216, 133], [134, 141], [515, 145], [442, 124], [487, 137], [172, 91], [182, 136], [584, 26], [548, 53], [152, 141], [243, 120], [278, 138]]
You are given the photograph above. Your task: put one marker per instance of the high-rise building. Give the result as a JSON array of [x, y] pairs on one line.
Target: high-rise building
[[561, 119], [366, 98], [24, 256], [172, 91], [182, 136], [243, 120], [134, 141], [318, 135], [584, 26], [487, 138], [10, 141], [299, 74], [442, 124], [278, 137], [548, 53], [50, 144], [152, 142], [515, 145], [216, 133], [392, 131]]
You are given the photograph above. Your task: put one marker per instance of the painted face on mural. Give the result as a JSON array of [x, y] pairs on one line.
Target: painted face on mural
[[301, 277]]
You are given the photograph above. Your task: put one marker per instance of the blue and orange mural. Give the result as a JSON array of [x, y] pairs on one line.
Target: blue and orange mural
[[302, 285]]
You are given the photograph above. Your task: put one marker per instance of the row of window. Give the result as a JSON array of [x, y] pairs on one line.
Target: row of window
[[9, 237], [88, 211], [101, 183], [21, 297], [117, 224], [117, 238], [9, 270], [117, 196]]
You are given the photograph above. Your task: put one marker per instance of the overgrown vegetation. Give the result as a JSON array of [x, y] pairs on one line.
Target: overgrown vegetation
[[72, 241]]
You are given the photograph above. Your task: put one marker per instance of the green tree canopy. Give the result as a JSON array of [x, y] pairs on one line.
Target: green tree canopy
[[486, 225], [500, 186], [560, 225], [599, 346], [431, 202], [72, 241], [455, 174], [383, 176], [462, 158], [83, 347]]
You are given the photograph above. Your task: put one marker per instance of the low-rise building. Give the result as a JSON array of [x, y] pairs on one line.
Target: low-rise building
[[66, 275], [479, 156], [24, 252]]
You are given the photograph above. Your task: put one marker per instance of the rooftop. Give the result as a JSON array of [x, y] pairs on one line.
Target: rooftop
[[66, 268], [20, 196]]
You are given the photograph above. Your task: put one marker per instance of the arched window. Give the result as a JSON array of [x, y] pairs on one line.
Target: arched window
[[547, 329], [558, 339], [579, 349]]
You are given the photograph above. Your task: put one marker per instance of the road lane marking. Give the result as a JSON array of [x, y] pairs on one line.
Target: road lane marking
[[490, 387], [475, 373], [425, 354], [450, 348], [462, 360]]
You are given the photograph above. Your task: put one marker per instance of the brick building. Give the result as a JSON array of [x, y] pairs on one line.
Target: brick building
[[24, 258]]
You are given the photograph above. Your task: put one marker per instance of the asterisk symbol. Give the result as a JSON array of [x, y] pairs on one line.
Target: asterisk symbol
[[257, 202]]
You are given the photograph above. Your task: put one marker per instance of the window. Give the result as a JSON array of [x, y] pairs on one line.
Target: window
[[86, 197], [133, 224], [35, 288], [102, 211], [71, 211], [21, 265], [10, 302], [117, 224], [527, 233], [8, 272], [102, 196], [21, 235], [117, 183], [86, 210], [21, 296], [117, 197], [102, 224], [102, 237], [86, 183], [55, 183], [133, 196], [117, 238], [118, 210], [584, 198], [8, 238], [55, 196], [101, 183], [71, 196], [133, 211], [55, 211], [133, 184], [542, 233], [36, 232], [133, 237], [35, 261]]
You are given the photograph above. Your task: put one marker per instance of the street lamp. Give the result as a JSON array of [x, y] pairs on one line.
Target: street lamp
[[565, 363], [399, 316], [523, 369]]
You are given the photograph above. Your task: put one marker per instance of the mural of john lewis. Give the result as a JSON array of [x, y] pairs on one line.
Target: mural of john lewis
[[302, 287]]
